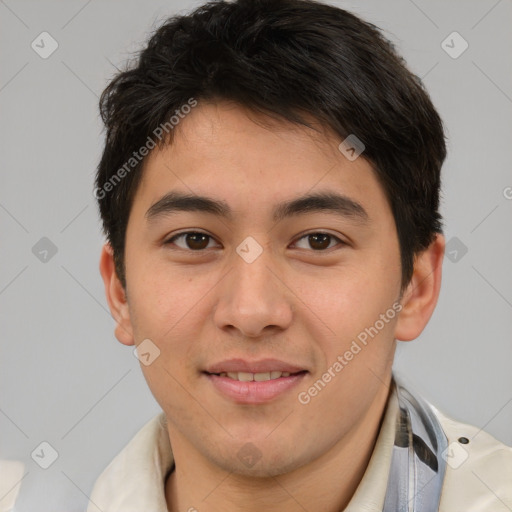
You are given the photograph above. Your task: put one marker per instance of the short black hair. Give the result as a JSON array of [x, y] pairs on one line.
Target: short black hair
[[288, 59]]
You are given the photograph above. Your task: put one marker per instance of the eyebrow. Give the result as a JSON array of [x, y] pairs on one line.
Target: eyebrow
[[329, 202]]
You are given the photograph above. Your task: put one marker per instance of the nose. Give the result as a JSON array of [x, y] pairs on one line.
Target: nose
[[254, 298]]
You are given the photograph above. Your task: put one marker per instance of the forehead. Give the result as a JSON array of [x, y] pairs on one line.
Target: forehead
[[253, 161]]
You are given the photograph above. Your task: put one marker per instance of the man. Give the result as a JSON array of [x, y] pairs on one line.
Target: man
[[269, 189]]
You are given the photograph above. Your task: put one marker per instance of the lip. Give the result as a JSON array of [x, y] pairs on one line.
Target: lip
[[254, 393], [261, 366]]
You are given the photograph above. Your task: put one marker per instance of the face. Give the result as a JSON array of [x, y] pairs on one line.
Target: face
[[265, 284]]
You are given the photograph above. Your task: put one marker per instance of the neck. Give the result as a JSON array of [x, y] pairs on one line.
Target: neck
[[327, 483]]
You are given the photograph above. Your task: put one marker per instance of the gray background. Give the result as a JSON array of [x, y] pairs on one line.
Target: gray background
[[65, 379]]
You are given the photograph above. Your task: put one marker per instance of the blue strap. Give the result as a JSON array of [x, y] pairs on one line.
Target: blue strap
[[417, 466]]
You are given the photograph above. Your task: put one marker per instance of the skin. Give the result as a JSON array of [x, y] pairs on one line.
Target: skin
[[294, 303]]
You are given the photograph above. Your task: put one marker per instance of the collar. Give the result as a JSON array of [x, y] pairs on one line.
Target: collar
[[135, 479]]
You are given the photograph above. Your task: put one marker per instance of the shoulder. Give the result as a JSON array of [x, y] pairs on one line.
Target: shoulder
[[478, 471], [133, 480], [11, 475]]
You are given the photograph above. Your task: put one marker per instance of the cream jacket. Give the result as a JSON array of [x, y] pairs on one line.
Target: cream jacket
[[11, 475], [478, 474]]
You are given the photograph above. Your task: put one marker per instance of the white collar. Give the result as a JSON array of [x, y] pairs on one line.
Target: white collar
[[135, 479]]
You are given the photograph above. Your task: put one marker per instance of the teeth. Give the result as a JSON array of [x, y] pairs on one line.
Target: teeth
[[258, 377], [245, 377]]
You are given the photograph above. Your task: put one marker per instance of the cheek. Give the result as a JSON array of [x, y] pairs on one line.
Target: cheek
[[161, 299], [170, 309], [355, 303], [348, 296], [166, 310]]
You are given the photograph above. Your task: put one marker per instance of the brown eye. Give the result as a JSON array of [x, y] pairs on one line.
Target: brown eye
[[193, 240], [319, 241]]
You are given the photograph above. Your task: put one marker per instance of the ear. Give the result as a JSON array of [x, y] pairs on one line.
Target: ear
[[116, 297], [420, 297]]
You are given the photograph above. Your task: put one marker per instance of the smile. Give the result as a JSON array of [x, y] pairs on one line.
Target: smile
[[258, 377], [254, 388]]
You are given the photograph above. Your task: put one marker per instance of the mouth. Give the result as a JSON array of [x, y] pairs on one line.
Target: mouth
[[255, 377], [253, 383]]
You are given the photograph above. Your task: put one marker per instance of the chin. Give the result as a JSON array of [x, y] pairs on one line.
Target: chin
[[251, 462]]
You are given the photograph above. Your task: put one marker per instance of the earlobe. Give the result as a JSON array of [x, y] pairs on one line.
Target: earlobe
[[116, 297], [420, 298]]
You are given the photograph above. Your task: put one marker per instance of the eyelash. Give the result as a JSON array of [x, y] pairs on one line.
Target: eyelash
[[179, 235]]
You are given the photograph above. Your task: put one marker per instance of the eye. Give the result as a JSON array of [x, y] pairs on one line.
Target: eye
[[193, 240], [197, 241], [320, 241]]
